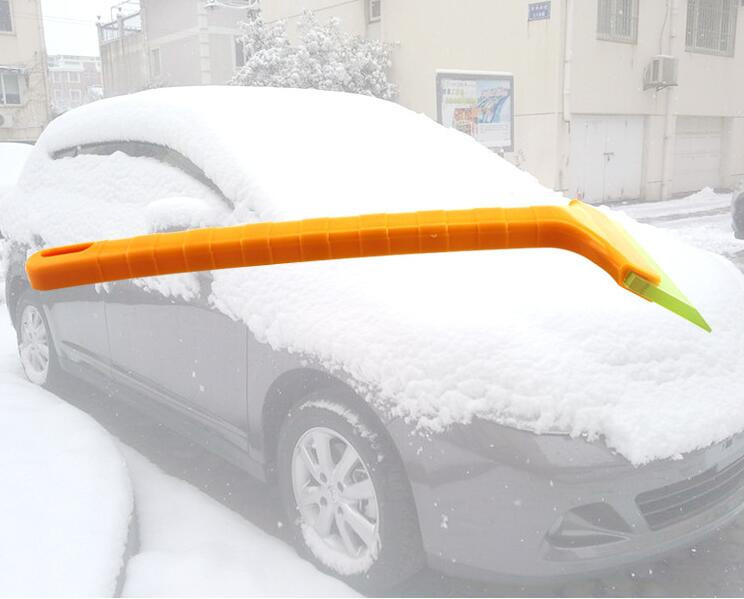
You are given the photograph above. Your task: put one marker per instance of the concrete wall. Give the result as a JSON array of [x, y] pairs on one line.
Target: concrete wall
[[179, 60], [124, 65], [24, 47], [196, 44], [352, 14], [169, 18]]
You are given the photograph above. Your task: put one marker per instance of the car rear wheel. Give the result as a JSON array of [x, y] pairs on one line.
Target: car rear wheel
[[346, 495], [35, 346]]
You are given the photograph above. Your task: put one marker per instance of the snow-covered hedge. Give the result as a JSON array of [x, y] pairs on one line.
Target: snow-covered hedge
[[324, 57]]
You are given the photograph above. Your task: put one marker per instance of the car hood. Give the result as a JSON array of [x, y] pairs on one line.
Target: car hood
[[540, 340]]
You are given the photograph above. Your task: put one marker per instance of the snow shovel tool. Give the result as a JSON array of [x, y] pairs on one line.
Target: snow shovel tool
[[577, 227]]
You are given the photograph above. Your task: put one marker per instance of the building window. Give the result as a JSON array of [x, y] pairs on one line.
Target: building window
[[58, 97], [239, 53], [6, 23], [617, 20], [76, 97], [57, 77], [711, 26], [156, 67], [73, 77], [10, 88], [374, 8]]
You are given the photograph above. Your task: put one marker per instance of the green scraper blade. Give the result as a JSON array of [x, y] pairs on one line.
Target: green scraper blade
[[666, 294]]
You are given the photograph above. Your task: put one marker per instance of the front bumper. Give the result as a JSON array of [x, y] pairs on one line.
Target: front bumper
[[500, 504]]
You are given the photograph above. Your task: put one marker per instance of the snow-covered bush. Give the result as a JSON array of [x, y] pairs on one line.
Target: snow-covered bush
[[324, 57]]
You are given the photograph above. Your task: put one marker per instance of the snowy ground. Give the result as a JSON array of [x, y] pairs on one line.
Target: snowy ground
[[68, 538], [191, 545], [702, 219], [65, 492], [206, 529]]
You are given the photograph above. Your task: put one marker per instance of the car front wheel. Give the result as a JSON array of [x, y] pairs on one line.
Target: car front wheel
[[346, 495]]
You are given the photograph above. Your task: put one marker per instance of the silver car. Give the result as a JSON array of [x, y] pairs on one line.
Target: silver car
[[368, 497]]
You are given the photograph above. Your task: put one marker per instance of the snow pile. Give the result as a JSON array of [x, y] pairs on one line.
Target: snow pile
[[12, 159], [65, 496], [701, 201], [703, 219], [541, 340], [193, 546]]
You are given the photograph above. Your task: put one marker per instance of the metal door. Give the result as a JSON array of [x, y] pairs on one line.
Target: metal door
[[606, 157]]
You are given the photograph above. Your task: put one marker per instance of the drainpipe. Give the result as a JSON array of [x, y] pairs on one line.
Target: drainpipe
[[670, 120], [205, 61], [44, 66], [567, 58], [564, 152]]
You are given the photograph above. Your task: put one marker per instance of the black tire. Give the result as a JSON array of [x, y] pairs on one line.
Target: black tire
[[400, 554], [53, 375]]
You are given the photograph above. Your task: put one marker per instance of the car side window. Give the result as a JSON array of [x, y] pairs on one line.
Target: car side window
[[123, 188], [137, 149]]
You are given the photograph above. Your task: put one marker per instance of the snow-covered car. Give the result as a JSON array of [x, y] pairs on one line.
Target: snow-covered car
[[737, 215], [505, 414]]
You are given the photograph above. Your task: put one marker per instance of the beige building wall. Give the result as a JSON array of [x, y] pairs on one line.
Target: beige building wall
[[573, 91], [22, 52], [191, 43], [123, 49], [352, 14], [482, 35], [607, 78]]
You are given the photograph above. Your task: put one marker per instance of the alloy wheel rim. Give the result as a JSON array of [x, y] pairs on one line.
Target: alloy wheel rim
[[34, 346], [336, 498]]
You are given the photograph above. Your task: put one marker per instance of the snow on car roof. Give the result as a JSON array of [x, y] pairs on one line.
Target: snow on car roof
[[295, 153], [540, 340]]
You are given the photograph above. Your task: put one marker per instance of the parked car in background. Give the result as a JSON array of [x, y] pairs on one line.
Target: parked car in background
[[737, 215], [471, 412]]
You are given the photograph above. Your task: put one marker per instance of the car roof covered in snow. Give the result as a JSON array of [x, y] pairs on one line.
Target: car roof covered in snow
[[295, 153]]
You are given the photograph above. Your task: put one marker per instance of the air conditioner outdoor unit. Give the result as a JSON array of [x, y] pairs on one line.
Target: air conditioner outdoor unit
[[660, 73]]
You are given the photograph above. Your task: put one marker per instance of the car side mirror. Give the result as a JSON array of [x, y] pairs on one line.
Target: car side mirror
[[172, 214]]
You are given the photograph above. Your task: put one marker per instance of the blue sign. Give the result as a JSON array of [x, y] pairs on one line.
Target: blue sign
[[538, 11]]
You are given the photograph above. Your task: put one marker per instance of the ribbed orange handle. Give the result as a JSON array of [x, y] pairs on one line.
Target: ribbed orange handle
[[577, 227]]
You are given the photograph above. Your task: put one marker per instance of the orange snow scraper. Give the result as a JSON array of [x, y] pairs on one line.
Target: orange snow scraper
[[577, 227]]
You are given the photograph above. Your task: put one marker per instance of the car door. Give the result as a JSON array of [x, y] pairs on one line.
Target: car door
[[165, 339], [216, 348]]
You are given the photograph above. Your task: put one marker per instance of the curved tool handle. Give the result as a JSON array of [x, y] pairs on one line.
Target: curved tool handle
[[577, 227]]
